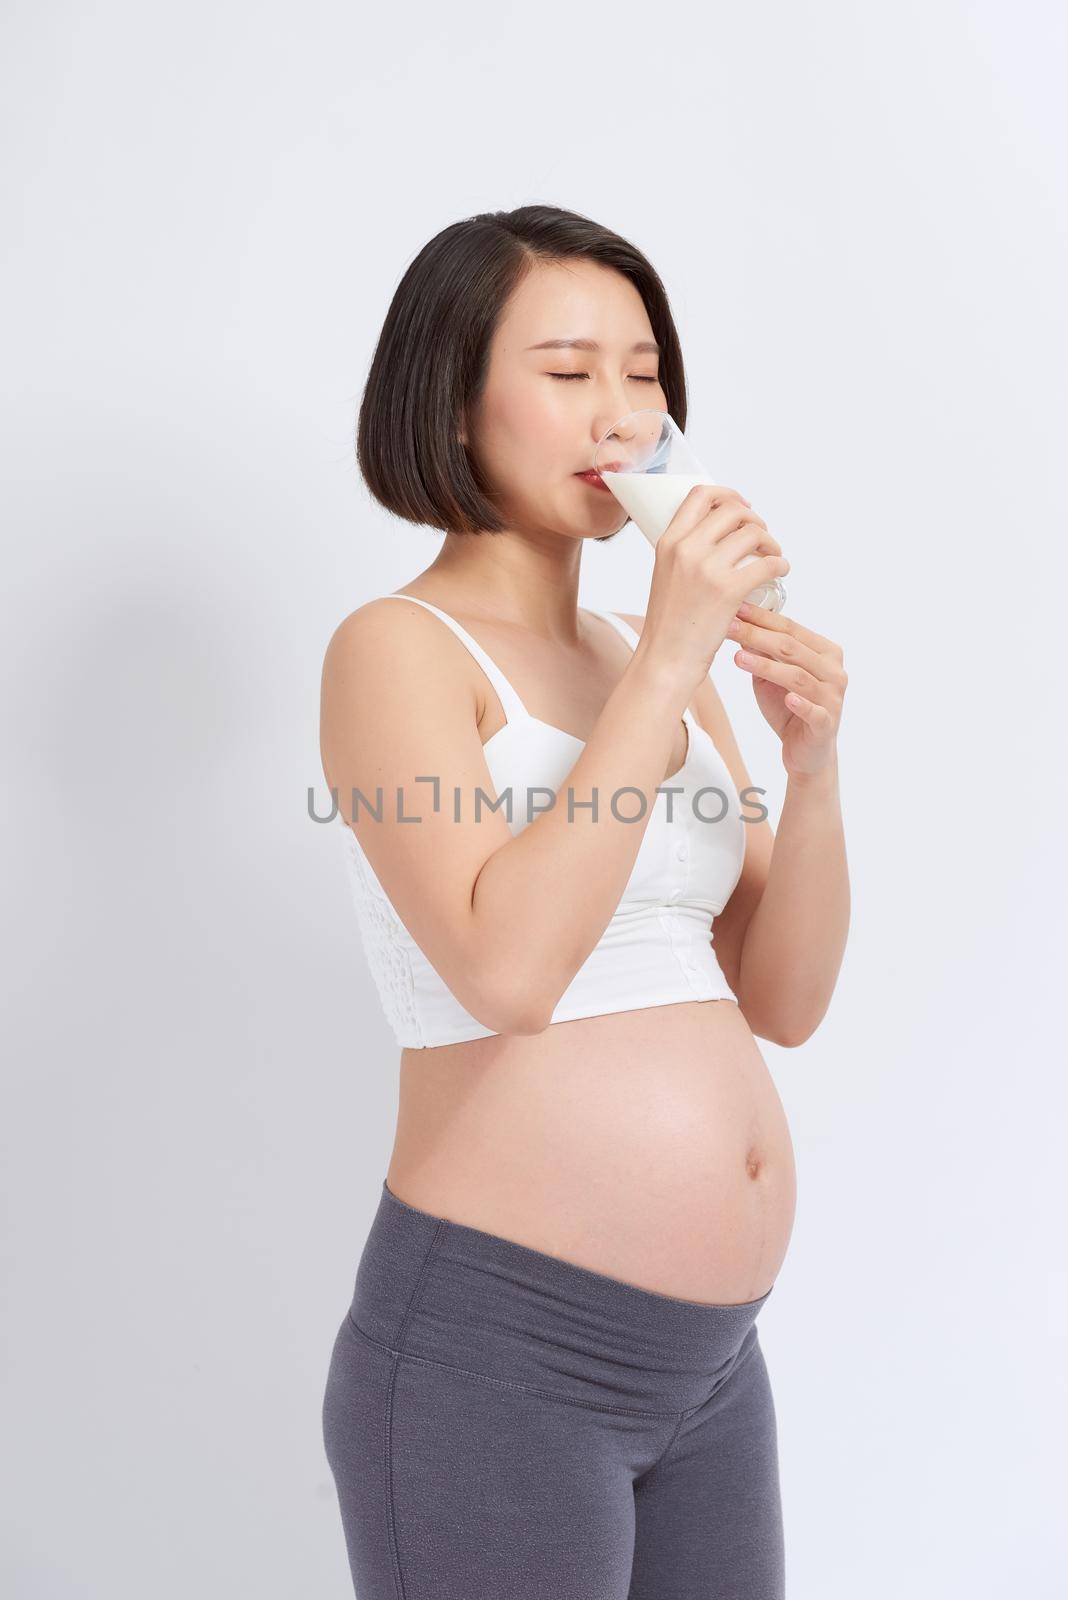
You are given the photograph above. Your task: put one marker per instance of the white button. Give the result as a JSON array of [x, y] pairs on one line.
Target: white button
[[682, 850]]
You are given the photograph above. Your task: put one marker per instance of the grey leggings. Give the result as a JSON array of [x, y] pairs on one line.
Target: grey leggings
[[503, 1425]]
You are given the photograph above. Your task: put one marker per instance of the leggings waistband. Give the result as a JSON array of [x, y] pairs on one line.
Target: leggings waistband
[[437, 1291]]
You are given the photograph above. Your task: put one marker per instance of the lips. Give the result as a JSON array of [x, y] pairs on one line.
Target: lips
[[595, 480]]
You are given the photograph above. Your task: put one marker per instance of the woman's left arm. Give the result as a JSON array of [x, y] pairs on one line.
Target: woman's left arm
[[794, 941]]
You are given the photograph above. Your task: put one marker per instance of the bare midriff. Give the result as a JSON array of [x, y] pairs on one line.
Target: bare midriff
[[650, 1145]]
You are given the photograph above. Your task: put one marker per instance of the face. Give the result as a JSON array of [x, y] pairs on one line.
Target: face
[[542, 411]]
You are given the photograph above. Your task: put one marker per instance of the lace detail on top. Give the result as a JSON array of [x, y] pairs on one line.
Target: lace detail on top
[[389, 961]]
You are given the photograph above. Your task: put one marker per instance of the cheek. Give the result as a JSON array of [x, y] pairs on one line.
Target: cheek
[[534, 407], [534, 429]]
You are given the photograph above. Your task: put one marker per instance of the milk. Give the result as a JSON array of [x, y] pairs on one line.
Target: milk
[[651, 500]]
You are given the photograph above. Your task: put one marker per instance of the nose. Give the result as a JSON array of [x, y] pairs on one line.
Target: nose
[[619, 423], [613, 433]]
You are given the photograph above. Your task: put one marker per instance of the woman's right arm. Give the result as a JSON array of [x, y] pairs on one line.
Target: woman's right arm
[[507, 921]]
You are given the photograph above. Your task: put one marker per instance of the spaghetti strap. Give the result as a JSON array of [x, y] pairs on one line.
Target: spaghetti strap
[[620, 626], [510, 701]]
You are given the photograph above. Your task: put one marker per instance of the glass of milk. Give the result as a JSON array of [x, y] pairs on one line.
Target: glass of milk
[[645, 460]]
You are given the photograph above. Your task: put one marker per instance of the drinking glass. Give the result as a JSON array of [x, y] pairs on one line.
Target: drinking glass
[[647, 462]]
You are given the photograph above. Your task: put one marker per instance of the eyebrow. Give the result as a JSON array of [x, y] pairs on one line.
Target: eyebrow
[[590, 344]]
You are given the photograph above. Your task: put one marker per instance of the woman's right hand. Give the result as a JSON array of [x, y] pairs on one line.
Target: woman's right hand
[[697, 585]]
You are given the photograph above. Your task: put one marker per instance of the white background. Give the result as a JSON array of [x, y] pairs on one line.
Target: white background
[[860, 218]]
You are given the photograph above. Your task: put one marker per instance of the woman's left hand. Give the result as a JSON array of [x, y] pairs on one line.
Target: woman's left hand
[[799, 682]]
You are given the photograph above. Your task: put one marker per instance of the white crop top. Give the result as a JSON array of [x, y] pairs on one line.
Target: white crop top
[[657, 949]]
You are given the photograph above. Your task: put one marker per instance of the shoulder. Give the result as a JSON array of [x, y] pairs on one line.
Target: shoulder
[[392, 661], [396, 637], [375, 620]]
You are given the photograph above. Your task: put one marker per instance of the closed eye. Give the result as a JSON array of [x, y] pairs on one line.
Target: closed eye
[[569, 376]]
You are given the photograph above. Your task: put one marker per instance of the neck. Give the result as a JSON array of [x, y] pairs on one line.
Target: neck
[[510, 577]]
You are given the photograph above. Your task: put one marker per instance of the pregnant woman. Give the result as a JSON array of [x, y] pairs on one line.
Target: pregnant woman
[[549, 1384]]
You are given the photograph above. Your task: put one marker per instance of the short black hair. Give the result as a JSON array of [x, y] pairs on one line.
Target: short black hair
[[430, 363]]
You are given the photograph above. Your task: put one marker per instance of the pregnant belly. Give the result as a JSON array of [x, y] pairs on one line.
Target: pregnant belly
[[649, 1145]]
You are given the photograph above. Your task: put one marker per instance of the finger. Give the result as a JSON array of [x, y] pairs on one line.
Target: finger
[[703, 499], [741, 533], [782, 644], [790, 677], [779, 622], [818, 718]]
